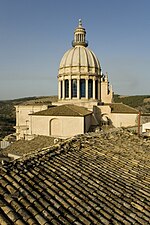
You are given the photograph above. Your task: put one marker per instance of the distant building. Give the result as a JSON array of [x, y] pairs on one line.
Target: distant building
[[85, 99], [146, 128]]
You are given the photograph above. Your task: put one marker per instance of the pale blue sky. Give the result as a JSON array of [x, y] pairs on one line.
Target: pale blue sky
[[34, 35]]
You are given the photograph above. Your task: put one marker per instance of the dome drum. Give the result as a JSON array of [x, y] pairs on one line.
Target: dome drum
[[83, 88]]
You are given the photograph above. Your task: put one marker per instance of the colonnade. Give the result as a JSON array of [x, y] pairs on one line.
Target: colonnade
[[87, 88]]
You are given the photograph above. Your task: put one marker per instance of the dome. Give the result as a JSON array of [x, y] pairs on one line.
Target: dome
[[79, 76], [79, 59]]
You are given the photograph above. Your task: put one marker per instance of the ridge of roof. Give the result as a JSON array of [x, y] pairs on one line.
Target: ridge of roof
[[64, 110], [122, 108], [73, 109]]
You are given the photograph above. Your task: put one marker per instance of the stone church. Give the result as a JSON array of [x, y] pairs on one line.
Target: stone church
[[85, 99]]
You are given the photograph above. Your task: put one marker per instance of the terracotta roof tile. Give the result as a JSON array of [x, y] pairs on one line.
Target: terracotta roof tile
[[122, 108], [22, 147], [88, 179], [64, 110]]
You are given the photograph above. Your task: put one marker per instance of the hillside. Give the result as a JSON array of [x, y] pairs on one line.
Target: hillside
[[140, 102], [7, 109]]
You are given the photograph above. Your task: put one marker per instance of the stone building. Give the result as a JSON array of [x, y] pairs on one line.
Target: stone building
[[81, 83]]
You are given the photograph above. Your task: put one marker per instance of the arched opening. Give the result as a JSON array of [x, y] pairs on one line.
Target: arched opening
[[55, 127], [96, 89], [74, 88], [66, 88], [90, 88], [82, 88], [61, 87]]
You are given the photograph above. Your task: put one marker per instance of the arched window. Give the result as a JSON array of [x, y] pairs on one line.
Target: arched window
[[90, 88], [66, 88], [82, 88], [96, 89], [61, 91], [74, 88]]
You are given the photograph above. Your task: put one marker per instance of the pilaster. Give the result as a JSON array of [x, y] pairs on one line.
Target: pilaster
[[99, 90], [59, 90]]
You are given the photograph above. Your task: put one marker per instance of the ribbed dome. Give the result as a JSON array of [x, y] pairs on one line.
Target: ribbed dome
[[79, 59]]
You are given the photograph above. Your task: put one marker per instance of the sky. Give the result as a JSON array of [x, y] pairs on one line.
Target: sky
[[35, 34]]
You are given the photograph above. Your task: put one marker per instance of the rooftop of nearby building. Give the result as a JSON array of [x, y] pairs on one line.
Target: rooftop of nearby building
[[22, 147], [122, 108], [64, 110], [96, 178]]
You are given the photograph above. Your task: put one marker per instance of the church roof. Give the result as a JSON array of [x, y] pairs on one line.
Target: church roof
[[101, 178], [78, 57], [122, 108], [64, 110]]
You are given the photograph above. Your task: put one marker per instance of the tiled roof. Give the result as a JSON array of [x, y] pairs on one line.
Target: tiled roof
[[90, 179], [22, 147], [64, 110], [122, 108]]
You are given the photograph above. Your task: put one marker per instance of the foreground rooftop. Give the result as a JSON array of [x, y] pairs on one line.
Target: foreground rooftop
[[96, 178], [22, 147]]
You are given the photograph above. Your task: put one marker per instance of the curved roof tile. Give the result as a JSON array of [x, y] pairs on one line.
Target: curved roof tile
[[101, 178]]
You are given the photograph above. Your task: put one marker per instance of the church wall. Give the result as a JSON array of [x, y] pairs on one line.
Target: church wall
[[23, 118], [123, 119], [87, 104], [39, 125], [117, 119], [57, 126], [72, 126]]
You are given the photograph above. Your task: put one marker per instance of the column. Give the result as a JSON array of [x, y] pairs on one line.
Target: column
[[94, 88], [63, 89], [69, 88], [86, 88], [59, 90]]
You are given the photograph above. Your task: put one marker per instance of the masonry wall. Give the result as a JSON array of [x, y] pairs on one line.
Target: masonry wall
[[123, 120], [62, 127], [23, 118], [118, 119]]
